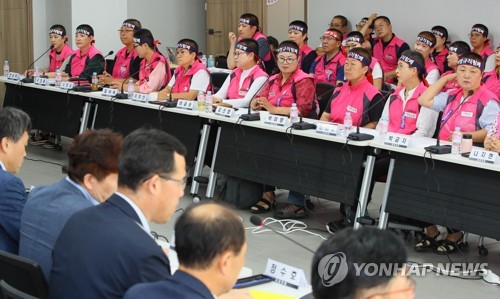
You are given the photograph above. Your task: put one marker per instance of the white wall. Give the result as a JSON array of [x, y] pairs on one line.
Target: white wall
[[408, 18], [280, 14]]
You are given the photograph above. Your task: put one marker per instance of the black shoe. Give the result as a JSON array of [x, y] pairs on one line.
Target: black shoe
[[338, 225]]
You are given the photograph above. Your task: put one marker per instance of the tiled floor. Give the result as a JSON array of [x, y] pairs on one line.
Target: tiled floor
[[267, 245]]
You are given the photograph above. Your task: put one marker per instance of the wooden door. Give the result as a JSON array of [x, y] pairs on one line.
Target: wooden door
[[16, 36], [222, 17]]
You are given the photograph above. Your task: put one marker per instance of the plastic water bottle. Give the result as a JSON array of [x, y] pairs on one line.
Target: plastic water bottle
[[95, 82], [456, 141], [201, 101], [58, 77], [294, 114], [347, 123], [208, 102], [36, 73], [204, 60], [382, 128], [130, 88], [6, 68], [210, 61]]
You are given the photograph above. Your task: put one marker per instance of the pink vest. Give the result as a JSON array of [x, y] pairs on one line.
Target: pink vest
[[121, 69], [492, 82], [404, 121], [450, 85], [234, 91], [440, 59], [486, 52], [372, 64], [303, 52], [388, 56], [256, 37], [145, 71], [284, 95], [78, 62], [328, 73], [355, 99], [183, 81], [429, 66], [469, 112], [57, 60]]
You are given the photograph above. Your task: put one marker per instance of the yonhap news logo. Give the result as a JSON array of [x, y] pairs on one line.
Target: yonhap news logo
[[333, 269]]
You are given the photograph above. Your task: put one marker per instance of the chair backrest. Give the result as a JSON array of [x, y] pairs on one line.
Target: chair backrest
[[323, 93], [23, 274], [9, 292], [217, 80]]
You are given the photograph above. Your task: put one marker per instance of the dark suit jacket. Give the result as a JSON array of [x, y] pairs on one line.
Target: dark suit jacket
[[180, 286], [12, 200], [102, 251], [47, 210]]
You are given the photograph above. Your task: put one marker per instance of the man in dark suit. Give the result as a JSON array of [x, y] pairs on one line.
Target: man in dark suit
[[210, 243], [104, 250], [14, 127], [92, 178]]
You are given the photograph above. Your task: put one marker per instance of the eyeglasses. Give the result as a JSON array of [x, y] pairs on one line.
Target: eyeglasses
[[328, 38], [180, 53], [136, 45], [237, 54], [125, 30], [402, 66], [288, 60], [181, 183]]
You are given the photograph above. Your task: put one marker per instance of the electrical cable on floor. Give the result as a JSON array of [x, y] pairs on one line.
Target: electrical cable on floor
[[287, 225], [48, 162]]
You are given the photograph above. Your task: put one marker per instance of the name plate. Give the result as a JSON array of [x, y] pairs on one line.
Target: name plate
[[277, 120], [187, 105], [14, 76], [41, 81], [483, 156], [286, 275], [67, 85], [225, 111], [397, 140], [327, 129], [109, 92], [140, 97]]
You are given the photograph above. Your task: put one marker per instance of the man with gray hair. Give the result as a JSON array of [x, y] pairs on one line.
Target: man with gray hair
[[14, 127]]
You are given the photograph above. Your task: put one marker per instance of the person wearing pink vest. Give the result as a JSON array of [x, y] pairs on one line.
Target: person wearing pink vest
[[127, 62], [190, 77], [456, 50], [356, 39], [87, 59], [387, 47], [297, 32], [440, 49], [491, 79], [471, 107], [357, 95], [481, 45], [425, 43], [248, 27], [492, 140], [327, 68], [245, 81], [154, 72]]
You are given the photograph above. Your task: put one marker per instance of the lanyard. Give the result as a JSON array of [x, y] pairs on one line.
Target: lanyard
[[280, 98]]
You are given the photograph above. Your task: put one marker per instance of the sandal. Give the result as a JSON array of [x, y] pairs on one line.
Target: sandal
[[448, 246], [39, 139], [291, 211], [427, 243], [263, 206]]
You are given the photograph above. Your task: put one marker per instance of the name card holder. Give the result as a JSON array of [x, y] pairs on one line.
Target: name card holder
[[187, 105], [67, 85], [140, 97], [109, 92], [277, 120], [327, 129], [286, 275], [225, 111], [14, 76], [41, 81], [397, 140], [483, 156]]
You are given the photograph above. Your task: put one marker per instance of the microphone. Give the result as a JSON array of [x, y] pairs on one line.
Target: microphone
[[445, 149], [253, 116], [255, 220], [87, 88], [124, 96], [170, 103], [29, 79], [363, 136]]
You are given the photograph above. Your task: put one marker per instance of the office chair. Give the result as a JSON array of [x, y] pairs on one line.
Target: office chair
[[23, 274], [9, 292], [323, 93], [217, 80]]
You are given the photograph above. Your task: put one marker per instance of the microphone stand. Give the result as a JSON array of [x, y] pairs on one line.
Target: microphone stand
[[29, 79]]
